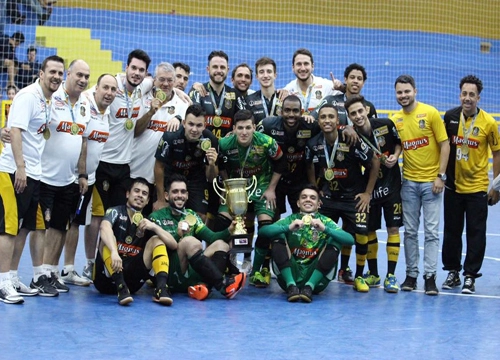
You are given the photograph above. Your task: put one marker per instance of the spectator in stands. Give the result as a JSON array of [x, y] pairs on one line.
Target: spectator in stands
[[8, 60], [41, 8], [11, 92], [182, 72], [28, 71]]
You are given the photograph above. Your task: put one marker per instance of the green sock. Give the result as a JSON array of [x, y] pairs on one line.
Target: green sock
[[287, 275], [315, 278], [258, 259]]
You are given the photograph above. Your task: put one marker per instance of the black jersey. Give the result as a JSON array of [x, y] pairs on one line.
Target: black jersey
[[338, 102], [261, 107], [228, 104], [348, 179], [129, 240], [293, 145], [184, 157], [387, 136]]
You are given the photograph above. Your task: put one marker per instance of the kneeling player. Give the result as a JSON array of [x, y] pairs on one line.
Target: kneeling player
[[306, 248], [193, 269], [129, 247]]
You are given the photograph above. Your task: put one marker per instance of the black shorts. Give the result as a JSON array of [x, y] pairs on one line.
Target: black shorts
[[198, 196], [290, 191], [393, 214], [112, 182], [134, 272], [57, 204], [81, 209], [353, 222], [18, 210]]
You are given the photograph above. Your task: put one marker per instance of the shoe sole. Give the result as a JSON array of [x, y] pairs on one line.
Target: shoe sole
[[305, 298], [163, 301], [294, 298], [126, 301], [22, 293], [361, 290], [467, 291], [407, 288], [242, 284], [432, 293], [76, 283], [6, 301], [391, 291], [448, 287], [44, 294]]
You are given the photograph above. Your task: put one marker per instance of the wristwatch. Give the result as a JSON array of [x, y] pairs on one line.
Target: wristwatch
[[442, 177]]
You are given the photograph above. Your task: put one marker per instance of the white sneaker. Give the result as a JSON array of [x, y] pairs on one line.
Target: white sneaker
[[88, 271], [72, 277], [23, 289], [8, 294]]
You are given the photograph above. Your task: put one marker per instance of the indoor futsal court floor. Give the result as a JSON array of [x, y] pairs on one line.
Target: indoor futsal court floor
[[260, 324]]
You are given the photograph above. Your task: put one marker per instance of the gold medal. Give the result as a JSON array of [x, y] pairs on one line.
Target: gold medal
[[75, 129], [383, 158], [205, 144], [190, 219], [160, 95], [329, 174], [129, 125], [465, 148], [46, 133], [305, 112], [307, 219], [217, 121], [137, 218]]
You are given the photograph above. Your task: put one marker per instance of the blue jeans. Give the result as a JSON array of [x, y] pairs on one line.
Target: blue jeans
[[415, 196]]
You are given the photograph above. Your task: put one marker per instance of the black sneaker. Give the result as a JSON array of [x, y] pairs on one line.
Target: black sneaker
[[306, 294], [430, 285], [409, 284], [163, 296], [453, 280], [44, 287], [469, 287], [58, 283], [293, 293], [124, 297]]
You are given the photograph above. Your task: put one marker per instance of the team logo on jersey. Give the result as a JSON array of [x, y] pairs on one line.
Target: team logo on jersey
[[318, 94], [303, 134], [105, 185], [421, 124], [340, 156], [343, 147], [421, 115], [381, 130], [171, 110], [228, 103], [128, 240], [414, 144], [381, 141], [99, 136], [82, 111], [475, 131], [230, 96], [277, 133], [291, 149], [254, 102]]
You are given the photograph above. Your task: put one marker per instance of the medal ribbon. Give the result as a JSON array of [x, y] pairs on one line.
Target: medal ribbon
[[464, 129], [69, 104], [130, 106], [308, 100], [373, 147], [212, 96], [330, 159], [264, 104]]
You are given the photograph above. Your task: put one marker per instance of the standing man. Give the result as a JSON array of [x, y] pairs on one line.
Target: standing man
[[8, 60], [243, 154], [305, 248], [191, 152], [425, 153], [471, 131], [28, 71], [337, 169], [242, 77], [182, 73], [96, 133], [309, 88], [381, 135], [20, 172], [164, 111]]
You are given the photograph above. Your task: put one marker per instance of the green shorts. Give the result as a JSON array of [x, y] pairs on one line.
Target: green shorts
[[178, 281]]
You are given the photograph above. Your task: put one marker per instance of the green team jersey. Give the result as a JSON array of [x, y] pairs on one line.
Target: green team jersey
[[253, 160], [169, 222], [307, 243]]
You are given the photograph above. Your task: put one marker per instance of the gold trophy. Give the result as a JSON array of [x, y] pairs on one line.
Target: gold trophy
[[237, 199]]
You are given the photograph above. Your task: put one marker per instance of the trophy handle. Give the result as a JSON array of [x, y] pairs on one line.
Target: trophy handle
[[216, 186], [252, 185]]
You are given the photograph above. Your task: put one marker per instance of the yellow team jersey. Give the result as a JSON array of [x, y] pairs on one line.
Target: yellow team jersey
[[471, 169], [421, 131]]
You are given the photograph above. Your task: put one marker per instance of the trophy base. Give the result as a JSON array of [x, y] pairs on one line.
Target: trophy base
[[241, 243]]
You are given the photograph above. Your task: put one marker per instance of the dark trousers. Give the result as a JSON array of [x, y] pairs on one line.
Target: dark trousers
[[473, 209]]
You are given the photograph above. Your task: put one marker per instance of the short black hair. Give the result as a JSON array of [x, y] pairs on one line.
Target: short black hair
[[354, 99], [243, 115], [302, 51], [233, 74], [218, 53], [138, 180], [471, 79], [30, 49], [355, 66], [55, 58], [328, 106], [183, 66], [175, 177], [139, 54], [196, 110], [291, 98], [19, 36], [405, 79]]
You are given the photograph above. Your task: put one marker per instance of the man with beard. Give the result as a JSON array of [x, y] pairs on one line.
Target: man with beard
[[192, 269], [130, 246], [164, 110], [190, 151], [305, 248], [20, 172], [425, 157]]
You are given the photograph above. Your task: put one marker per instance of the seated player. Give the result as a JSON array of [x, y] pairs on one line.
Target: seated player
[[305, 248], [193, 269], [127, 253]]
